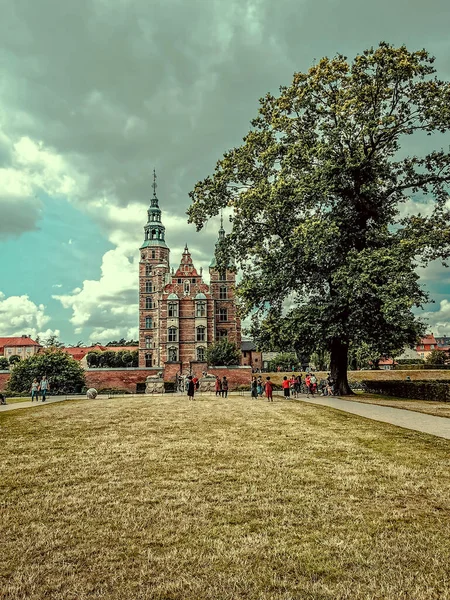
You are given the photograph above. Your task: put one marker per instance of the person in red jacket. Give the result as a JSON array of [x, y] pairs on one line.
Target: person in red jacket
[[269, 390], [285, 385]]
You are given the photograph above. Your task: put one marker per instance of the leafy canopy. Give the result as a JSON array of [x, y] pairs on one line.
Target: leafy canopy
[[320, 193], [63, 372], [223, 353]]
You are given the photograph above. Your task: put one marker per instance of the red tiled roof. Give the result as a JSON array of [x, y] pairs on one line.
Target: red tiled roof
[[17, 341]]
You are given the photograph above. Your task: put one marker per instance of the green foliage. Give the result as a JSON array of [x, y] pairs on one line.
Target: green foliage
[[52, 342], [439, 391], [328, 259], [123, 342], [285, 360], [14, 359], [4, 364], [437, 357], [63, 372], [409, 361], [223, 353], [112, 360]]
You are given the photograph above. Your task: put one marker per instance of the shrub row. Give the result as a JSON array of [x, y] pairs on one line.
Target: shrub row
[[420, 367], [439, 391]]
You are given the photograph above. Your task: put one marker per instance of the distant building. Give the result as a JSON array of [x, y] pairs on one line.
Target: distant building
[[443, 341], [22, 346], [179, 314], [426, 346], [409, 354], [250, 355]]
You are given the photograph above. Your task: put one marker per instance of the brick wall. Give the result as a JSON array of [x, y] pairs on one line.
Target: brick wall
[[4, 376], [236, 375], [124, 379]]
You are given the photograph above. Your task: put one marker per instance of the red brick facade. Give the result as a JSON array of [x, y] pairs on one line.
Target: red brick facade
[[179, 314]]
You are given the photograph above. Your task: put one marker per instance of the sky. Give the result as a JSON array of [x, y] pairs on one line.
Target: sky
[[95, 94]]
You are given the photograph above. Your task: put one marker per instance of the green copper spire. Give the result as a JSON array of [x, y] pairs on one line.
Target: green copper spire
[[154, 231]]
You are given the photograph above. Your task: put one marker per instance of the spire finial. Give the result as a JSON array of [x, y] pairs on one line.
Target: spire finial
[[154, 185], [221, 219]]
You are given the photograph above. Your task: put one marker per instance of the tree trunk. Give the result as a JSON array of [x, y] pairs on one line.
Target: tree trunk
[[338, 367]]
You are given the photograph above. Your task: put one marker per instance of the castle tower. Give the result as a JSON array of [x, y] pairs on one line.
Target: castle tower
[[222, 287], [154, 274]]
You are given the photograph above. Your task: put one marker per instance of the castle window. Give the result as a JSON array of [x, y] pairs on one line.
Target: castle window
[[148, 342], [148, 303], [223, 314], [201, 354], [148, 360], [148, 323], [200, 310], [148, 270], [222, 333], [173, 309], [179, 281], [201, 332], [187, 288], [222, 276], [222, 292], [153, 253], [148, 287], [173, 354], [173, 334], [194, 280]]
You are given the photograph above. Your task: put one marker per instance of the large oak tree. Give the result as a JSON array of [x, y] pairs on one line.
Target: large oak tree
[[319, 188]]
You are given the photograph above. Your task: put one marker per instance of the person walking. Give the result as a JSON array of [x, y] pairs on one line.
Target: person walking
[[285, 385], [259, 386], [218, 386], [190, 388], [254, 388], [308, 384], [269, 390], [2, 399], [44, 388], [292, 382], [35, 390], [224, 387]]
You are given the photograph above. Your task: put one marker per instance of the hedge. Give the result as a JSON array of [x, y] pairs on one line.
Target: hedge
[[420, 367], [438, 391]]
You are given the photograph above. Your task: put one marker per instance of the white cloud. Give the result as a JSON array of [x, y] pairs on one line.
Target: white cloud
[[20, 316], [439, 320]]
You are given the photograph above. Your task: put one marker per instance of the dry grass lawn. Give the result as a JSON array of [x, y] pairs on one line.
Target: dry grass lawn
[[158, 498], [437, 409]]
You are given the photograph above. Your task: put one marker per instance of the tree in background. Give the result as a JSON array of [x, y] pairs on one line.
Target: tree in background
[[110, 359], [4, 364], [284, 360], [92, 359], [14, 359], [64, 374], [223, 353], [318, 192], [437, 357], [52, 342]]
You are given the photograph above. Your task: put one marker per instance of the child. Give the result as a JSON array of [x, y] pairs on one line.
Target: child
[[308, 384], [269, 390], [285, 385]]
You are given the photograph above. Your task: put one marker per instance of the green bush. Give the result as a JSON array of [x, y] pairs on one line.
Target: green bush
[[438, 391], [64, 374], [4, 364]]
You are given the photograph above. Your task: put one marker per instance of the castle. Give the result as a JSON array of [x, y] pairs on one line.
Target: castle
[[179, 314]]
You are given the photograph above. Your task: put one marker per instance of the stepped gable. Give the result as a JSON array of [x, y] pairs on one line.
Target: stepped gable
[[187, 273]]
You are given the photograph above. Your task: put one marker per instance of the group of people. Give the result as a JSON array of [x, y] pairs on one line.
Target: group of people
[[41, 387], [222, 386], [293, 386], [193, 384]]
